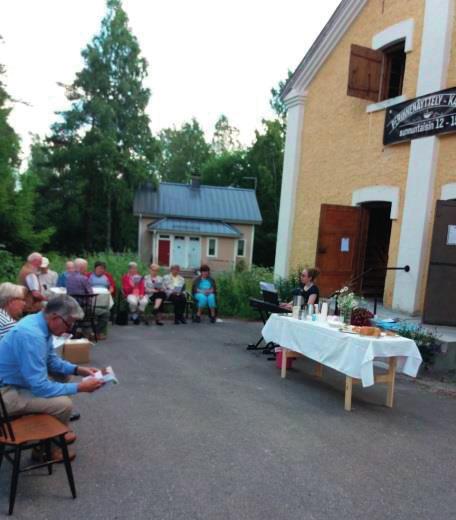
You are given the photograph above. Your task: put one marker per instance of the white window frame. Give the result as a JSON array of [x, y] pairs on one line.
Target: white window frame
[[237, 248], [216, 247]]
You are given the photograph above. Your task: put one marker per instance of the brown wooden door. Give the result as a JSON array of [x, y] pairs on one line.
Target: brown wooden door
[[341, 246], [440, 300]]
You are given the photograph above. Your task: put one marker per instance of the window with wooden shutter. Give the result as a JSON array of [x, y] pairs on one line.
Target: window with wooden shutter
[[393, 71], [365, 73]]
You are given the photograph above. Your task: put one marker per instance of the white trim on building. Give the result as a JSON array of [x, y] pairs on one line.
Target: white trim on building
[[291, 168], [395, 33], [326, 42], [215, 255], [448, 191], [381, 105], [424, 153], [378, 194]]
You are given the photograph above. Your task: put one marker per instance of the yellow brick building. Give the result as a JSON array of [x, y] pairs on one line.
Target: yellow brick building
[[334, 153]]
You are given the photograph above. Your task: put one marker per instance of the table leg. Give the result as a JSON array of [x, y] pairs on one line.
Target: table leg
[[284, 363], [348, 393], [318, 370], [391, 381]]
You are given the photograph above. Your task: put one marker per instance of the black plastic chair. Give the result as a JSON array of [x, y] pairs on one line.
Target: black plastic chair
[[88, 303], [27, 432]]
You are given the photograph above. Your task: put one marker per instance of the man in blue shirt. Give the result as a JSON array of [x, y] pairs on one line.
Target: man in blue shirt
[[27, 359]]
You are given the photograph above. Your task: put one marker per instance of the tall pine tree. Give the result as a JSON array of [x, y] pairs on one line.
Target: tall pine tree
[[183, 152], [103, 149], [9, 161]]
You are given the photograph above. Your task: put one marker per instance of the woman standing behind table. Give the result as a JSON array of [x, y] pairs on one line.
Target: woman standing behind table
[[307, 288], [133, 289], [204, 290], [153, 286], [174, 285]]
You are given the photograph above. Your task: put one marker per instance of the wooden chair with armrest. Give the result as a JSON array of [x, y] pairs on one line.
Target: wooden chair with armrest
[[27, 432]]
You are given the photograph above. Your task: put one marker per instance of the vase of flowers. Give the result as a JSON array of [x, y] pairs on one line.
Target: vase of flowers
[[347, 302]]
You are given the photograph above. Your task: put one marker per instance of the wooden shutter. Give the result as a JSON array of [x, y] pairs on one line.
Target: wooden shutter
[[365, 73]]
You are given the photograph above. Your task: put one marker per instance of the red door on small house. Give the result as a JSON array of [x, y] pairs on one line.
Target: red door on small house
[[341, 246], [163, 252]]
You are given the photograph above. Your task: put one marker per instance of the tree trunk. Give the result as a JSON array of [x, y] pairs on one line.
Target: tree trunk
[[108, 220]]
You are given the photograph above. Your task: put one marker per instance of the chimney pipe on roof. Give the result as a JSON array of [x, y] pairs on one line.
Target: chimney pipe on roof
[[196, 181]]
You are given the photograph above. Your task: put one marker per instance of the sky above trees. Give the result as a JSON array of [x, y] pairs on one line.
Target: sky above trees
[[205, 58]]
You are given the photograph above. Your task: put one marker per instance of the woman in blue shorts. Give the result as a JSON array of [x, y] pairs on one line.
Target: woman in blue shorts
[[204, 291]]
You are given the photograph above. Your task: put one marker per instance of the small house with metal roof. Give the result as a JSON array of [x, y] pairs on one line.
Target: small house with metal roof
[[191, 224]]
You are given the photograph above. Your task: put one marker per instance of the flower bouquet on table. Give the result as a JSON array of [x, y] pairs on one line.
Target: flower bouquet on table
[[346, 301]]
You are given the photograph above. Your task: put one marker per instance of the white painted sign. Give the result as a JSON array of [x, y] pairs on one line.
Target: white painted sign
[[345, 245], [451, 236]]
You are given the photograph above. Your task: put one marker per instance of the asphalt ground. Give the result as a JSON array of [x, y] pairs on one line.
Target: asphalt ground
[[199, 428]]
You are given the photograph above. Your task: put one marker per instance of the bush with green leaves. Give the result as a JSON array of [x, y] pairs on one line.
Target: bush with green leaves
[[9, 266], [235, 288], [428, 342]]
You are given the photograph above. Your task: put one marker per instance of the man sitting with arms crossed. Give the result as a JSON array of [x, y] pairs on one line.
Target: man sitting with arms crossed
[[27, 359]]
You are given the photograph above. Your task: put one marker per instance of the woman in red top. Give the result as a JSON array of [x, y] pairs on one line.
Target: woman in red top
[[133, 290]]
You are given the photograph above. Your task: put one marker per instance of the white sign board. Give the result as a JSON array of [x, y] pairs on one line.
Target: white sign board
[[345, 245], [451, 236]]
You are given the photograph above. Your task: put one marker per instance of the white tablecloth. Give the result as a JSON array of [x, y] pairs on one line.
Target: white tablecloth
[[353, 355], [104, 298]]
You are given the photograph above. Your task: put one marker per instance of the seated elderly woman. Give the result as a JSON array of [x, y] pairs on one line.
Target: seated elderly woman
[[101, 278], [174, 285], [62, 279], [204, 290], [133, 290], [12, 303], [153, 287]]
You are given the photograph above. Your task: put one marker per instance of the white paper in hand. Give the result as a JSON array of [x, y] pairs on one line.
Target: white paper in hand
[[107, 377]]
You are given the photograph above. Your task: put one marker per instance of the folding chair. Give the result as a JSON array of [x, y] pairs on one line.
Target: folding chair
[[27, 432]]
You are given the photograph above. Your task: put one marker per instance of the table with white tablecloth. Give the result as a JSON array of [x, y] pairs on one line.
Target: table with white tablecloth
[[104, 297], [350, 354]]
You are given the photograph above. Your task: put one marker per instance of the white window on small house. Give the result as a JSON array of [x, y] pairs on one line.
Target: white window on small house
[[240, 247], [212, 247], [376, 75]]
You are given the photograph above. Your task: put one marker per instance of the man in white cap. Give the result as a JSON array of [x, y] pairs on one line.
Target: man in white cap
[[46, 277]]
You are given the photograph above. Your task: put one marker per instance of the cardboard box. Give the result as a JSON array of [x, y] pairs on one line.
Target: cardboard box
[[77, 351]]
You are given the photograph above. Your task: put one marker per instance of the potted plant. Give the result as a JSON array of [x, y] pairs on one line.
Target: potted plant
[[428, 342]]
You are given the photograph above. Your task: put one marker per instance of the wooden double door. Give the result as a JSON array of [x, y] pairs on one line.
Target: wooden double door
[[440, 299], [352, 240]]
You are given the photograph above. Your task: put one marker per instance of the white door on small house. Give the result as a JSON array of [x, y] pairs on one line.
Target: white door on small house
[[179, 256], [194, 252]]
